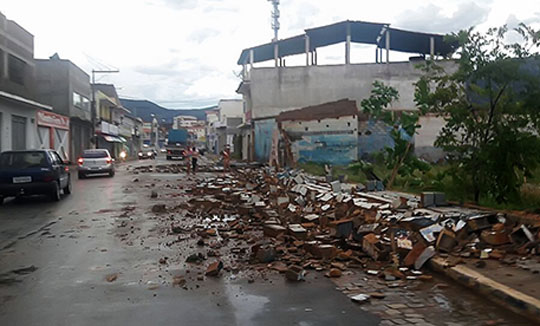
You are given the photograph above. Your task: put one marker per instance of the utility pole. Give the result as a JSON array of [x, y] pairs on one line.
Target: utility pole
[[94, 107], [275, 18]]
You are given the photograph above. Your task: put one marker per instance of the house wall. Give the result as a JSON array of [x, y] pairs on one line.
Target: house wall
[[230, 109], [7, 110], [17, 43], [373, 136], [274, 90], [333, 141], [57, 81], [424, 147]]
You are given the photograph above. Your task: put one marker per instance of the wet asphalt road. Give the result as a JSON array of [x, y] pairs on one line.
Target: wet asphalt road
[[55, 257]]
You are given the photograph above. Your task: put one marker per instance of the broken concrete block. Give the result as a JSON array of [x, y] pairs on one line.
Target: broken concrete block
[[478, 223], [369, 245], [297, 231], [311, 217], [426, 255], [427, 199], [324, 251], [361, 298], [295, 273], [446, 241], [282, 200], [266, 254], [429, 232], [336, 186], [214, 268], [342, 228], [440, 199], [273, 230], [413, 255], [521, 235], [334, 273], [496, 236]]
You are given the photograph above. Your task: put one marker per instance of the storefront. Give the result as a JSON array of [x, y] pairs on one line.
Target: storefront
[[109, 139], [53, 132]]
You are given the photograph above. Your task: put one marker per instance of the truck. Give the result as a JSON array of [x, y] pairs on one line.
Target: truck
[[177, 142]]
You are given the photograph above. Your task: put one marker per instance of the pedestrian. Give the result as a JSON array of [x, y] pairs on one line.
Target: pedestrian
[[194, 159], [188, 153], [226, 158]]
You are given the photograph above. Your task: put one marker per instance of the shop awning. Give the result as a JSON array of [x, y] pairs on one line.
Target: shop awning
[[112, 139]]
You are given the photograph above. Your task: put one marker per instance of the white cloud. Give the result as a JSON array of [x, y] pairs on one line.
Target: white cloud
[[184, 52]]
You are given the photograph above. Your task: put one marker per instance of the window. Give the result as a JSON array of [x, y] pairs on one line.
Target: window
[[81, 102], [23, 160], [95, 154], [85, 103], [77, 100], [16, 69]]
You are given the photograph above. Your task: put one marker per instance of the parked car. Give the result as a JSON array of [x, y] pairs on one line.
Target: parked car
[[33, 172], [94, 161], [147, 153]]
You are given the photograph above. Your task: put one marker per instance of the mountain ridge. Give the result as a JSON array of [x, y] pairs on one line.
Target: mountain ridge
[[145, 108]]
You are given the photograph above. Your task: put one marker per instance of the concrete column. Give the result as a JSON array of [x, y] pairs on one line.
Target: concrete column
[[432, 47], [251, 59], [315, 53], [348, 46], [276, 54], [387, 47], [307, 50]]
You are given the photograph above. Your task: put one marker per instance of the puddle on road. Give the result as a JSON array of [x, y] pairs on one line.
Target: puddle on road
[[246, 306]]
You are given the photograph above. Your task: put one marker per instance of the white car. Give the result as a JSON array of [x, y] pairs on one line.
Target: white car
[[95, 161]]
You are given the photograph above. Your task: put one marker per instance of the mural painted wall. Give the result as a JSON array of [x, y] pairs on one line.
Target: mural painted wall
[[332, 141]]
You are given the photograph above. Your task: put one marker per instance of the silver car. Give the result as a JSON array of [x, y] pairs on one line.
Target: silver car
[[94, 161]]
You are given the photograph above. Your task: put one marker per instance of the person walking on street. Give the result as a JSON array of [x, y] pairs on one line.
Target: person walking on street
[[194, 159], [188, 154], [226, 158]]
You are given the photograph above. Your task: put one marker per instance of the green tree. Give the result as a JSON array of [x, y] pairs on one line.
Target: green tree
[[400, 158], [490, 100]]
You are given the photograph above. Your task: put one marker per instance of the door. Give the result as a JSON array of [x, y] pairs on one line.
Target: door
[[61, 142], [44, 134], [18, 132]]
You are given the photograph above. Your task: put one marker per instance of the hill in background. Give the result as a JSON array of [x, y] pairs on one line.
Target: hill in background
[[144, 110]]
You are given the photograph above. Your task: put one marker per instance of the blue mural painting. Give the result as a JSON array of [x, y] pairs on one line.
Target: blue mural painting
[[335, 149], [374, 136]]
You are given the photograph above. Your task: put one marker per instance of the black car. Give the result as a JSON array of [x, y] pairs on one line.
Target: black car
[[147, 153], [33, 172]]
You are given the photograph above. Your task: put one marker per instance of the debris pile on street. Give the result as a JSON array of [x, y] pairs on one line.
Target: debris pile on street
[[291, 222]]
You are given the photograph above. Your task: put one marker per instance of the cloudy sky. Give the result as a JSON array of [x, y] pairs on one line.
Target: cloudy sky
[[183, 53]]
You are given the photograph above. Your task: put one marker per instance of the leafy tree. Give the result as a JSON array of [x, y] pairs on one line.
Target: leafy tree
[[399, 158], [490, 100]]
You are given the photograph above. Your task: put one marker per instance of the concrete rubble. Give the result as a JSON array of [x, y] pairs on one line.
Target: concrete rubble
[[294, 223]]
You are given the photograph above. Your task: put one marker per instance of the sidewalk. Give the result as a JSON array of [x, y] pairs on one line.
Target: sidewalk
[[514, 287]]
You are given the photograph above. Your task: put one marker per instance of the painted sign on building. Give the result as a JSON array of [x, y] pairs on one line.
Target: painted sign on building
[[53, 120]]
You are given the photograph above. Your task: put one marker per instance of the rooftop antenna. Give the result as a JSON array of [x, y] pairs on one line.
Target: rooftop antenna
[[275, 18]]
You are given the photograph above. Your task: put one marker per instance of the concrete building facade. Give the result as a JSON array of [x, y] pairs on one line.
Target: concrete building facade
[[270, 91], [117, 129], [18, 104], [66, 87]]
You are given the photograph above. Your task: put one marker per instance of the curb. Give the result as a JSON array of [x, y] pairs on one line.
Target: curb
[[501, 294]]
